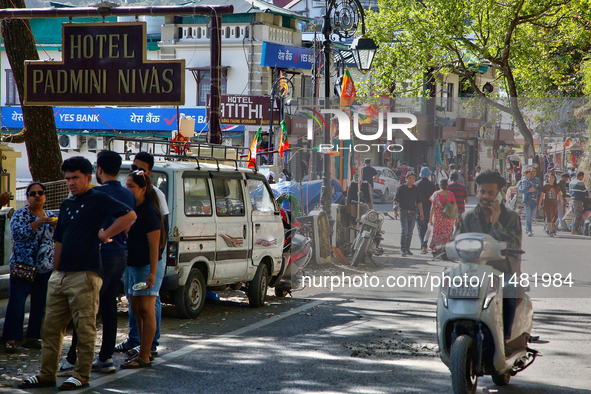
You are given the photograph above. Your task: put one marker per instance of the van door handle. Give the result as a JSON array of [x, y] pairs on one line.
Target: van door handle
[[244, 231]]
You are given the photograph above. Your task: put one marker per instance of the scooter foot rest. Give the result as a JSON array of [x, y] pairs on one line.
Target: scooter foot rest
[[534, 338]]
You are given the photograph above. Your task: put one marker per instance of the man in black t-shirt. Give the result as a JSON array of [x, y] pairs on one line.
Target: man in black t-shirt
[[73, 289], [408, 197], [368, 174]]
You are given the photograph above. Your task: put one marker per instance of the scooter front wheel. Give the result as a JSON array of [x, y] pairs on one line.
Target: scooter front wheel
[[359, 256], [461, 364]]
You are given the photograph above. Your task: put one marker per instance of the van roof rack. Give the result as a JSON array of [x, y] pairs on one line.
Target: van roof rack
[[204, 151]]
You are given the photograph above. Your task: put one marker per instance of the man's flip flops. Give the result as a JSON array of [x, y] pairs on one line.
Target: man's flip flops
[[34, 383], [72, 384]]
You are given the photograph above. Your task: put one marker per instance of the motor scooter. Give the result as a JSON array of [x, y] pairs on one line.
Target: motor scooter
[[470, 315], [297, 253], [369, 235]]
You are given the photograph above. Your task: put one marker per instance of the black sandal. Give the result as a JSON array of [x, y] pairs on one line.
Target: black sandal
[[10, 347], [33, 383], [136, 363]]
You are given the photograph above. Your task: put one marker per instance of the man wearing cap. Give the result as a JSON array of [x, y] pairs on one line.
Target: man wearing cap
[[426, 190], [531, 188]]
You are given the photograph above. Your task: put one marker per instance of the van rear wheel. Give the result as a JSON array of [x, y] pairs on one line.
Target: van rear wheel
[[190, 298], [257, 288]]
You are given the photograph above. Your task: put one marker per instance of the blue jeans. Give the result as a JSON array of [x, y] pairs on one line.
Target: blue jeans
[[407, 222], [15, 311], [531, 212], [562, 224], [133, 339]]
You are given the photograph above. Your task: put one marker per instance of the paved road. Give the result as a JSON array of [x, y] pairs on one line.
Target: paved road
[[366, 340]]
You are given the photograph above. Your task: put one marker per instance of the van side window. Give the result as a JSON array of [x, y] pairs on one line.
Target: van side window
[[197, 198], [228, 197], [260, 197]]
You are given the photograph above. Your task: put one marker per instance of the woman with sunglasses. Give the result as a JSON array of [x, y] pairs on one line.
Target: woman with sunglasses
[[144, 241], [32, 234]]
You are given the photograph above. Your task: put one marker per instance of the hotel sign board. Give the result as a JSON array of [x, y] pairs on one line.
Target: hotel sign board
[[104, 64]]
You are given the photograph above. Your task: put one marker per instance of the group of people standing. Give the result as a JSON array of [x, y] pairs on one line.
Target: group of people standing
[[430, 206], [551, 197], [72, 265]]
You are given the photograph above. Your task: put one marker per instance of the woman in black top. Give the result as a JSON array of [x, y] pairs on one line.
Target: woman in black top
[[144, 241]]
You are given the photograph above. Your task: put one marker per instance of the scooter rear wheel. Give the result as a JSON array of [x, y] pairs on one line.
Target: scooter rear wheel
[[461, 364], [501, 379]]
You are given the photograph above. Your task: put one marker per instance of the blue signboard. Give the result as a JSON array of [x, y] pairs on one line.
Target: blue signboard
[[284, 56], [120, 119]]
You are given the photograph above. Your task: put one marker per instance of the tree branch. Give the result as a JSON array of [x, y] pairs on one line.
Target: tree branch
[[18, 138]]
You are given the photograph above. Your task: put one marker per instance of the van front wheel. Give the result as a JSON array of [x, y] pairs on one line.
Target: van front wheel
[[190, 298], [257, 288]]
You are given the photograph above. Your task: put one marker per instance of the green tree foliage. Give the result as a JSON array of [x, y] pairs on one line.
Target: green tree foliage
[[535, 46]]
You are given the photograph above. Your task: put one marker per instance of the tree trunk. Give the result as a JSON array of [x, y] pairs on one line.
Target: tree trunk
[[39, 130], [528, 146]]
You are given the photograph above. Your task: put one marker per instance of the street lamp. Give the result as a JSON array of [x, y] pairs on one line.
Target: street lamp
[[342, 17]]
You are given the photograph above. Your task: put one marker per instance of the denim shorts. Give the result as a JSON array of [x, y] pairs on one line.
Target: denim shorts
[[135, 275]]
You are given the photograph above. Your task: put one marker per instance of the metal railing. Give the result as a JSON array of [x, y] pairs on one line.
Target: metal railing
[[57, 192]]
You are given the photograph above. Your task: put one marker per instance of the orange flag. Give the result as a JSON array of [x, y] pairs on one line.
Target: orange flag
[[348, 93]]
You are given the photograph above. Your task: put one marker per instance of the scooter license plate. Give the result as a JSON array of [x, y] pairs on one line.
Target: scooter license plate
[[463, 292]]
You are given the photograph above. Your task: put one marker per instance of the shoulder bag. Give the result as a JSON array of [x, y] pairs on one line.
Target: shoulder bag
[[25, 271], [450, 210]]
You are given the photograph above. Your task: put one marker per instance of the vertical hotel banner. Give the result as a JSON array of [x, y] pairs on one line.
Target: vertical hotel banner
[[104, 64]]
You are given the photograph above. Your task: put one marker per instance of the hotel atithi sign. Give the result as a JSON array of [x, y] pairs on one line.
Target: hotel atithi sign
[[104, 63]]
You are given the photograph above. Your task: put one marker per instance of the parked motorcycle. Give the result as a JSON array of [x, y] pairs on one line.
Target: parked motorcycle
[[470, 315], [369, 235], [297, 253]]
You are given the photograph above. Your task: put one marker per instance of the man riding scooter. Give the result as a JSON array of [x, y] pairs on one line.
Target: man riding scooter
[[491, 217]]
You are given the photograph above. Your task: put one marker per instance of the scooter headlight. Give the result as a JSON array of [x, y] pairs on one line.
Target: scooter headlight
[[443, 292], [372, 216], [469, 249]]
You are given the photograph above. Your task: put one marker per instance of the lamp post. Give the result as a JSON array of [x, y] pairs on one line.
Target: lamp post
[[342, 17]]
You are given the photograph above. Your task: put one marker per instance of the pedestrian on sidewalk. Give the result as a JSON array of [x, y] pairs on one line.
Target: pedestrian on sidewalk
[[145, 162], [31, 264], [563, 184], [426, 189], [578, 196], [439, 174], [368, 175], [530, 187], [459, 191], [550, 199], [74, 286], [442, 226], [408, 197], [146, 238], [114, 260]]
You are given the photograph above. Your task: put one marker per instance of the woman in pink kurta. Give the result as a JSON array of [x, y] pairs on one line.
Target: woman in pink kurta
[[442, 226]]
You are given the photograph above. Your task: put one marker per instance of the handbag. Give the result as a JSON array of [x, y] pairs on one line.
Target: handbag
[[23, 271], [450, 210]]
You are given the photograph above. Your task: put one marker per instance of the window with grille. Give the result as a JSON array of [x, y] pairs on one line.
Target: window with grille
[[204, 86], [447, 93]]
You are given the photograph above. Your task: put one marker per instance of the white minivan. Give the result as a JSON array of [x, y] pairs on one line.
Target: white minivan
[[225, 230]]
